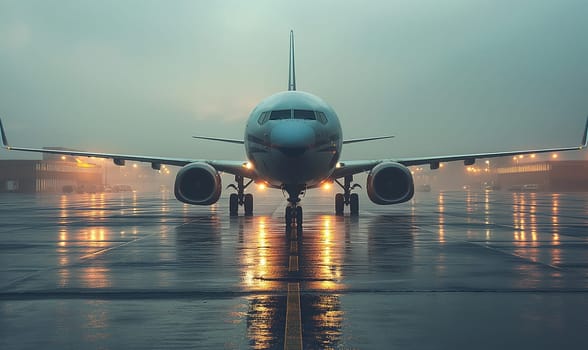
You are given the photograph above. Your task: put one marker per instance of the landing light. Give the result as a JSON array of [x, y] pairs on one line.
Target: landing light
[[326, 186], [248, 165], [261, 186]]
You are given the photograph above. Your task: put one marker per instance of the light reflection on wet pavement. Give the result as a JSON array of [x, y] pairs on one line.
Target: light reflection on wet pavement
[[447, 270]]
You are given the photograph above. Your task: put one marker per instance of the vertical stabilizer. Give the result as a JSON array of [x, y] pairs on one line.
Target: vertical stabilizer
[[292, 66]]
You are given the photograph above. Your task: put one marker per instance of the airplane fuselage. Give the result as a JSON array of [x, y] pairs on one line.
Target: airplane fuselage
[[293, 138]]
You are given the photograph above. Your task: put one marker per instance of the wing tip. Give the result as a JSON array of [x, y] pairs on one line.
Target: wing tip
[[585, 136], [4, 138]]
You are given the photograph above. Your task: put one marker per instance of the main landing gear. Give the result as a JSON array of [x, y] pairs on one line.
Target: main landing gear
[[347, 198], [293, 212], [240, 198]]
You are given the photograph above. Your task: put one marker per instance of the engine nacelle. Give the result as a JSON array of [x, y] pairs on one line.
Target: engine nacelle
[[198, 183], [390, 183]]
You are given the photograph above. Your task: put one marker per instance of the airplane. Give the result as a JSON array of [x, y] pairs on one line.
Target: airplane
[[293, 141]]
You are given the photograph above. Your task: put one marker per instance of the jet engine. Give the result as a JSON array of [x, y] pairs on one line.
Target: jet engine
[[198, 183], [390, 183]]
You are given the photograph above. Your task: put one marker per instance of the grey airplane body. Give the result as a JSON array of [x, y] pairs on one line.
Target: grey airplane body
[[293, 142]]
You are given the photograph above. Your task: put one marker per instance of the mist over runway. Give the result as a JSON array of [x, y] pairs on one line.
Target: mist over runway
[[448, 269]]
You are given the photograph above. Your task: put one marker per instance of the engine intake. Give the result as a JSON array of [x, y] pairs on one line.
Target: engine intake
[[198, 183], [390, 183]]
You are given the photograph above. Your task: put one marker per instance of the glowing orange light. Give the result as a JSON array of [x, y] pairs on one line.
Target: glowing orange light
[[248, 165], [81, 164], [261, 186], [532, 155], [62, 157], [326, 186], [554, 156], [134, 165]]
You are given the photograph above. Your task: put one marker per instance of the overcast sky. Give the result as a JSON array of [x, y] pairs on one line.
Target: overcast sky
[[142, 77]]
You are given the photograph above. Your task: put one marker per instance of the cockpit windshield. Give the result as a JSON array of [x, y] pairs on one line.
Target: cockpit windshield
[[281, 114], [304, 114]]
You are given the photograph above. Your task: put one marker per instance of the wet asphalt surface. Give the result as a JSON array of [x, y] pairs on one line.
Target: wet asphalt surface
[[450, 270]]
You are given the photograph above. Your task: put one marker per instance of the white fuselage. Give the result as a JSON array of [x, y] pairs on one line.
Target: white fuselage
[[293, 138]]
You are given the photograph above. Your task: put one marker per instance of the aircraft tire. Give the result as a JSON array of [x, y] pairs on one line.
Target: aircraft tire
[[339, 204], [299, 218], [233, 204], [248, 203], [288, 217], [354, 204]]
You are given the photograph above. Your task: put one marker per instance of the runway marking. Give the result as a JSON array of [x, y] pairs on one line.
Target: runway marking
[[293, 265], [293, 329], [293, 333], [82, 259], [498, 250], [294, 247]]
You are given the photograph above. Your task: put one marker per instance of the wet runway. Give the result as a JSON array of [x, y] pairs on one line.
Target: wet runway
[[455, 270]]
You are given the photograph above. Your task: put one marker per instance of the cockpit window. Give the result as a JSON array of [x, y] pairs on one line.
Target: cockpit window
[[281, 114], [263, 118], [304, 114], [321, 117]]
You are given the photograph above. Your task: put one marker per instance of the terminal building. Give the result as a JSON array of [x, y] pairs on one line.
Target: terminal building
[[67, 174], [565, 175], [52, 174], [531, 173]]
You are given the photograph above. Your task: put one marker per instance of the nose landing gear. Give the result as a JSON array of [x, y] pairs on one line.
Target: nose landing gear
[[347, 198], [293, 212], [240, 198]]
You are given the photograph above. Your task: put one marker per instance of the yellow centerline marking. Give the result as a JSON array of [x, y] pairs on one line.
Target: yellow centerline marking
[[293, 336], [293, 265], [294, 247], [293, 331]]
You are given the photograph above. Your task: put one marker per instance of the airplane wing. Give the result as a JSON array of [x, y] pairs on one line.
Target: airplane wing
[[241, 142], [346, 168], [231, 167], [367, 139]]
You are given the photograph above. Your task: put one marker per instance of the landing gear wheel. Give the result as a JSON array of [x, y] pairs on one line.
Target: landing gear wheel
[[240, 198], [339, 204], [299, 218], [354, 204], [248, 203], [288, 217], [233, 204]]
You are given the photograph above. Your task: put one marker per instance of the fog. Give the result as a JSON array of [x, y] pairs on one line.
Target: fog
[[142, 77]]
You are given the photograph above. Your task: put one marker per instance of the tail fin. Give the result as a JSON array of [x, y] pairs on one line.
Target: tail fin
[[291, 66]]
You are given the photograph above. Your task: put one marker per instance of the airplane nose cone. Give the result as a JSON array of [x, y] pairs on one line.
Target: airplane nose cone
[[292, 138]]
